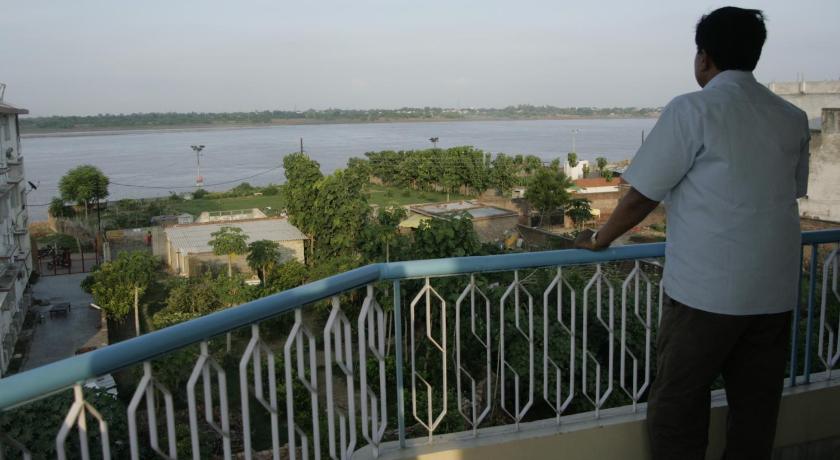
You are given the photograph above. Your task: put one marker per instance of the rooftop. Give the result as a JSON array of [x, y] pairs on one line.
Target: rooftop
[[475, 209], [10, 109], [195, 238], [233, 215], [598, 182]]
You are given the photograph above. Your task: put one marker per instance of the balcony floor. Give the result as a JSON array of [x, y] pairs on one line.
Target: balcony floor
[[809, 428]]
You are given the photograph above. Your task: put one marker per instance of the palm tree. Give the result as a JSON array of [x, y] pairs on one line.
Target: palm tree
[[263, 255], [580, 211], [229, 241]]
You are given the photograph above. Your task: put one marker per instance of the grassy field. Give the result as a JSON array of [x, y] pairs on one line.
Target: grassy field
[[379, 195], [394, 196], [195, 207]]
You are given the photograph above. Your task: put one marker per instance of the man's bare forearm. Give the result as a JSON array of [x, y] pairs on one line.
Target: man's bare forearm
[[631, 210]]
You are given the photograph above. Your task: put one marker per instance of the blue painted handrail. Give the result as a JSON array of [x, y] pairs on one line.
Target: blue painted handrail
[[48, 379]]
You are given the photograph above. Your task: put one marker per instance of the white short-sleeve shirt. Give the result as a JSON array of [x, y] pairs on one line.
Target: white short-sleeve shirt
[[729, 162]]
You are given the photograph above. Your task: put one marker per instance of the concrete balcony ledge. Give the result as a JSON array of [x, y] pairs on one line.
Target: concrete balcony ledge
[[809, 421]]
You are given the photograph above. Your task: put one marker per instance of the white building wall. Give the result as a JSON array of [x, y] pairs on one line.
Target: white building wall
[[15, 249], [823, 200], [576, 172]]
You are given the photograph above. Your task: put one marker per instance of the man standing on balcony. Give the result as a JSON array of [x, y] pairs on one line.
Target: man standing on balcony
[[729, 162]]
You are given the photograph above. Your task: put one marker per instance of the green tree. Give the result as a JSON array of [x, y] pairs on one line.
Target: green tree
[[381, 234], [548, 191], [58, 208], [298, 193], [448, 170], [580, 211], [454, 237], [229, 241], [602, 164], [263, 255], [532, 164], [34, 424], [586, 170], [288, 275], [607, 175], [243, 189], [339, 212], [572, 158], [83, 185], [120, 284], [195, 296], [503, 173]]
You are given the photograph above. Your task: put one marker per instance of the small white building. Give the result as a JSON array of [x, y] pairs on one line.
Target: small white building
[[188, 246], [230, 216], [575, 172], [15, 249]]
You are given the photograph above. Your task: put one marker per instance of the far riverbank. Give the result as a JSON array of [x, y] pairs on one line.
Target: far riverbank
[[118, 130]]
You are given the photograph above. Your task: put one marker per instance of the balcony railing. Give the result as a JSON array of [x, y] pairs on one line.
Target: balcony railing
[[403, 350]]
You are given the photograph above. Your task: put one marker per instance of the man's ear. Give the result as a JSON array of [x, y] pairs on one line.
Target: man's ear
[[703, 61]]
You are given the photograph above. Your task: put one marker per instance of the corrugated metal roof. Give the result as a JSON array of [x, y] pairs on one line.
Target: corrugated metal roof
[[194, 239], [8, 108], [413, 221]]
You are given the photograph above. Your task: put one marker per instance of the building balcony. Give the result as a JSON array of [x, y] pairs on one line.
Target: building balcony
[[14, 160], [527, 355], [15, 170], [8, 301], [9, 276], [21, 223]]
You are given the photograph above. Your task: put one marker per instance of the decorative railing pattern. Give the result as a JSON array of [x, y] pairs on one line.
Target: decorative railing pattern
[[466, 343]]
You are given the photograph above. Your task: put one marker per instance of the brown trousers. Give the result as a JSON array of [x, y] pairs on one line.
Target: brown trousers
[[694, 347]]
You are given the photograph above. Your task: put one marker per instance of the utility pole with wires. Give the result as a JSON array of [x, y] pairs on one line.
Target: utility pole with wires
[[96, 194], [199, 181], [574, 133]]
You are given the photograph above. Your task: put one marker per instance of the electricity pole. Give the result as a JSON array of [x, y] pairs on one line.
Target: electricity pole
[[199, 181], [98, 220], [574, 133]]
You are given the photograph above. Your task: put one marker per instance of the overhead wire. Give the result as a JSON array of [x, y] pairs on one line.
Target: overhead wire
[[170, 187]]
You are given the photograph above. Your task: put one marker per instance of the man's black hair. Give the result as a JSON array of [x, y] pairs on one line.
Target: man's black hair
[[732, 37]]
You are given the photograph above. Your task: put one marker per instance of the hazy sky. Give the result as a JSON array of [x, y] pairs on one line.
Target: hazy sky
[[87, 57]]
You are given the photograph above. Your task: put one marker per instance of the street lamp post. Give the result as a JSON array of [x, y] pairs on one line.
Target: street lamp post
[[199, 181], [574, 133]]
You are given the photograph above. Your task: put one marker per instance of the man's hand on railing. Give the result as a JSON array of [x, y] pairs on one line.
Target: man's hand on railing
[[585, 240], [631, 210]]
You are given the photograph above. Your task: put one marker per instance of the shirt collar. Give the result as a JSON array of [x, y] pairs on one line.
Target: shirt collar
[[727, 76]]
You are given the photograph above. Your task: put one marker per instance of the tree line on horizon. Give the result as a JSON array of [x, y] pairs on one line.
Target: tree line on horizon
[[167, 119]]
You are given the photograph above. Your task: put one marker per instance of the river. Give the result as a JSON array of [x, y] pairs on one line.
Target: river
[[153, 163]]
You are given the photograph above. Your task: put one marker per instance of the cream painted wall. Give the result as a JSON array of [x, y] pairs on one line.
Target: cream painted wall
[[823, 201]]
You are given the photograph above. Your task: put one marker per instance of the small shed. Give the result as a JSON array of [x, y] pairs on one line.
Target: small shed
[[188, 246], [491, 223]]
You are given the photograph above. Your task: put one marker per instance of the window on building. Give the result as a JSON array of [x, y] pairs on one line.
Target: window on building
[[7, 132]]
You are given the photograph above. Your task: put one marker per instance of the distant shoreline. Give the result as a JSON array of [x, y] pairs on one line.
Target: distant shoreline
[[115, 131]]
